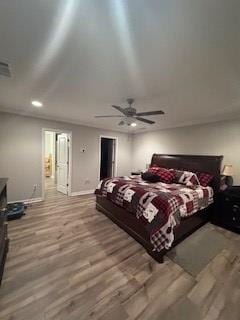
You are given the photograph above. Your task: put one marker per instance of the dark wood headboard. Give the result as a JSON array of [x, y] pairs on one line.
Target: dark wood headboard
[[194, 163]]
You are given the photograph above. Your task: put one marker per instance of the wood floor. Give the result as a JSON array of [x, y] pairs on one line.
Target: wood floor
[[69, 262]]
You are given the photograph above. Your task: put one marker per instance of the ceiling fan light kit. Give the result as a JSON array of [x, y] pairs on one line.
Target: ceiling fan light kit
[[130, 114]]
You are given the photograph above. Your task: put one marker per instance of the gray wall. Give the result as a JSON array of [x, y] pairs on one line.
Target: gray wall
[[21, 154], [21, 150], [220, 138]]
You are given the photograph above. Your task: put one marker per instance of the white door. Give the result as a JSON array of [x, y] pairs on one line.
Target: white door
[[62, 163]]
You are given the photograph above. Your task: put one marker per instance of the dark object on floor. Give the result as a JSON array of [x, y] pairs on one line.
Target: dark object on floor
[[15, 210], [227, 209], [4, 241]]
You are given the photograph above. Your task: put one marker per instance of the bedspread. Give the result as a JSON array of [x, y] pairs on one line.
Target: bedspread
[[158, 206]]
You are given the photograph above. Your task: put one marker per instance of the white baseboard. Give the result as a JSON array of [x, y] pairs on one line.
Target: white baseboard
[[82, 193], [28, 201]]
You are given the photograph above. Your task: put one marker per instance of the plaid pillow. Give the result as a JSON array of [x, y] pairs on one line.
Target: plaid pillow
[[154, 169], [204, 178], [166, 175]]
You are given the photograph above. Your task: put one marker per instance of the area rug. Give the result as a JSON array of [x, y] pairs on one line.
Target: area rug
[[195, 252]]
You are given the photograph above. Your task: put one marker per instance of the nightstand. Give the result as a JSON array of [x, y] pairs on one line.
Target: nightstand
[[227, 209]]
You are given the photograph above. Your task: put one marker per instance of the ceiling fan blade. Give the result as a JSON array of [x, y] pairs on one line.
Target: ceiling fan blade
[[108, 116], [121, 123], [119, 109], [145, 120], [149, 113]]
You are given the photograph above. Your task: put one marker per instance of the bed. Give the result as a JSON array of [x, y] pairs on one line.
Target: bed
[[132, 224]]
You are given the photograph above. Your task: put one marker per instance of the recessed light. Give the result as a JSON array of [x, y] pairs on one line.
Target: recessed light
[[37, 103], [133, 124]]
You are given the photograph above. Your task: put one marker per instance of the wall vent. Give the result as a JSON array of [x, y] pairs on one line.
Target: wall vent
[[5, 69]]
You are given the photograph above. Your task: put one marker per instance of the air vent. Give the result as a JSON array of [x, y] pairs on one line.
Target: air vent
[[5, 69]]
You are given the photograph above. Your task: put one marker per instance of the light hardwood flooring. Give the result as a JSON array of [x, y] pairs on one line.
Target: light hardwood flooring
[[67, 261]]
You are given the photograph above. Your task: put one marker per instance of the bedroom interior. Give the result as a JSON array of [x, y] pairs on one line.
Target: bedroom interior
[[209, 164], [119, 134]]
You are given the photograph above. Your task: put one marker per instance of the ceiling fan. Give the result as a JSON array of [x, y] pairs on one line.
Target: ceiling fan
[[130, 114]]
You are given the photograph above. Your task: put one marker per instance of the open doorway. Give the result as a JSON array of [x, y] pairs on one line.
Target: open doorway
[[56, 175], [108, 147], [50, 160]]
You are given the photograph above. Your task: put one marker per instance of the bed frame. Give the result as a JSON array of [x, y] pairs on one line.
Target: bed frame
[[129, 223]]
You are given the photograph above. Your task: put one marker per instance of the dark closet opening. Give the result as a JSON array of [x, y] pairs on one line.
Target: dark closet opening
[[107, 158]]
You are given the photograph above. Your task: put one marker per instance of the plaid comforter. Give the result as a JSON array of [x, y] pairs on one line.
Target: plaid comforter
[[158, 206]]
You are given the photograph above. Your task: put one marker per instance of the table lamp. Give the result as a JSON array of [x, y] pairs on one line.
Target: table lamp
[[227, 179]]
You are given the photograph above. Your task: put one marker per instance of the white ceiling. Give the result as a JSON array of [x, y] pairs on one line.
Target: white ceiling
[[81, 56]]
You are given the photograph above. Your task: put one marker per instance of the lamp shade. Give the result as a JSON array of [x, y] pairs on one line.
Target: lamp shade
[[227, 170]]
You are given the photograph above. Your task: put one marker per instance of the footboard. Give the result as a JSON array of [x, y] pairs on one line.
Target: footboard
[[129, 223]]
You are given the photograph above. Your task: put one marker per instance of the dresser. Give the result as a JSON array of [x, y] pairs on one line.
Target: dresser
[[3, 225]]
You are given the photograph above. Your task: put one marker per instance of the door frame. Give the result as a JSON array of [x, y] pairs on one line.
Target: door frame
[[69, 160], [116, 154]]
